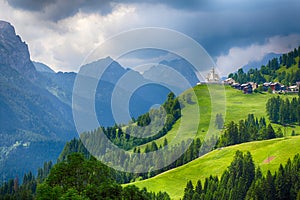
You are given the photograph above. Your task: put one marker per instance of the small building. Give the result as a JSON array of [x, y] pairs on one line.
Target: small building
[[254, 85], [282, 88], [229, 81], [244, 85], [266, 85], [275, 86], [247, 88], [236, 86], [293, 88]]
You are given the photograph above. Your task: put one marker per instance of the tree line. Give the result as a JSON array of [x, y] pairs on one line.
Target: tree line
[[161, 119], [250, 129], [242, 181], [25, 189], [76, 178], [193, 151], [283, 111]]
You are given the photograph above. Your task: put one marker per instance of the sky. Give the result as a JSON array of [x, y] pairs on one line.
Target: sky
[[62, 33]]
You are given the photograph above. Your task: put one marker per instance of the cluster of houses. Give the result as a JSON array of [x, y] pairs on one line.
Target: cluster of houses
[[249, 87]]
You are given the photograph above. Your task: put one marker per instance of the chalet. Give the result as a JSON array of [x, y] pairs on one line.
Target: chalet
[[282, 88], [246, 88], [293, 88], [236, 86], [254, 85], [229, 81], [266, 85], [244, 85], [275, 86]]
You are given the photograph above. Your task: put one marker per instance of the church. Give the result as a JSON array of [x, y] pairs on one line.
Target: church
[[212, 76]]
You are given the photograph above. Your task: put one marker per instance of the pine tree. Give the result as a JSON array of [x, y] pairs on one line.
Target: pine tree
[[232, 133], [219, 123], [282, 113], [270, 132], [165, 143], [280, 183], [269, 186], [188, 191], [198, 188]]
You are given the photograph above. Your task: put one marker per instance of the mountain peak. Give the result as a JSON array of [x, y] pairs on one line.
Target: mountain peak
[[14, 52], [6, 27]]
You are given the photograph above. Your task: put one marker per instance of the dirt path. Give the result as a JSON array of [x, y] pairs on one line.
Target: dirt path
[[269, 159]]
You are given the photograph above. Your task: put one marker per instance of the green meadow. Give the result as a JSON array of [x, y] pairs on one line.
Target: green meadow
[[214, 163]]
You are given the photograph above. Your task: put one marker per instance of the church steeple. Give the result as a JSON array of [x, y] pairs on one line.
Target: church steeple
[[212, 76]]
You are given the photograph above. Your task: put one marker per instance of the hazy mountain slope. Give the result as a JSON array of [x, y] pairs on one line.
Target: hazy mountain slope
[[183, 67], [258, 64]]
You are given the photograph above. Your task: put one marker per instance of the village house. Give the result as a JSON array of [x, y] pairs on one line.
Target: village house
[[275, 86], [293, 88], [229, 81], [236, 86], [266, 85], [254, 85], [246, 88]]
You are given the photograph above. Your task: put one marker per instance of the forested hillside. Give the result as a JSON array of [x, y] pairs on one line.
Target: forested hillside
[[285, 70]]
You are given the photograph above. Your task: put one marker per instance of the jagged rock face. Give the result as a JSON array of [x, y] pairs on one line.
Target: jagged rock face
[[34, 122], [14, 52]]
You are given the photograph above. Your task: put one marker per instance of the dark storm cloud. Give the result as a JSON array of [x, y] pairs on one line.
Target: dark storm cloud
[[241, 24], [218, 25], [31, 5], [55, 10], [61, 9]]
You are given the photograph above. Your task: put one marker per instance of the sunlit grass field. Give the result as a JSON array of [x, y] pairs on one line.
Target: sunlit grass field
[[215, 162]]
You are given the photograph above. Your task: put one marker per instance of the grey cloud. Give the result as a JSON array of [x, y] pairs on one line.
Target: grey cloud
[[55, 10], [31, 5], [217, 25], [219, 31]]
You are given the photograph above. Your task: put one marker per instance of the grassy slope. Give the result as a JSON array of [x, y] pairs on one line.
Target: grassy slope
[[238, 106], [217, 161]]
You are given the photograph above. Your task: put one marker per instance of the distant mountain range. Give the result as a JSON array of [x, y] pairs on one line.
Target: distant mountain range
[[258, 64], [36, 103]]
